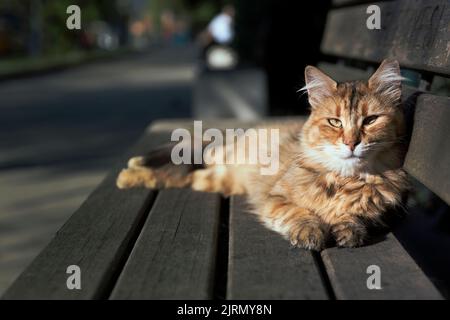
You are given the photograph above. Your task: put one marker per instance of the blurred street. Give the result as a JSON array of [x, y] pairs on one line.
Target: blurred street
[[61, 132]]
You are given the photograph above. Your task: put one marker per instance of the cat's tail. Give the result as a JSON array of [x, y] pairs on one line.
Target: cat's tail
[[156, 170]]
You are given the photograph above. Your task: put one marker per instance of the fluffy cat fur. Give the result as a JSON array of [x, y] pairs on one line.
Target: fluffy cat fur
[[339, 171]]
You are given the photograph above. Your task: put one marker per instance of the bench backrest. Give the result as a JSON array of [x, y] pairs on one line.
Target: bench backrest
[[416, 33]]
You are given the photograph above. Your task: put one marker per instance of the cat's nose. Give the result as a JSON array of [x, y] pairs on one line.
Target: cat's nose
[[351, 143]]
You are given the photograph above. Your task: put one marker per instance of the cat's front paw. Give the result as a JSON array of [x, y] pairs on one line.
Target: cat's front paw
[[308, 236], [349, 234]]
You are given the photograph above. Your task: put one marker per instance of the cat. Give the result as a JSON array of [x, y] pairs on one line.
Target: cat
[[339, 172]]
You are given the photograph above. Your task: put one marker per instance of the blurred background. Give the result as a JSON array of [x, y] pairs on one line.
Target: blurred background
[[72, 101]]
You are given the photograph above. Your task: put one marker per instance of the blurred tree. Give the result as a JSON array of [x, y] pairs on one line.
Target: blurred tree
[[202, 11], [56, 37], [43, 22], [14, 27]]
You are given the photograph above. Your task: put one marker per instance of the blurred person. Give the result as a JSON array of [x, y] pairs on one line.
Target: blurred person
[[217, 38], [141, 31], [168, 25], [221, 26], [181, 35]]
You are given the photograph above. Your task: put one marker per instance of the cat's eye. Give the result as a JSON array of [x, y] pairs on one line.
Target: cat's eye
[[335, 122], [369, 120]]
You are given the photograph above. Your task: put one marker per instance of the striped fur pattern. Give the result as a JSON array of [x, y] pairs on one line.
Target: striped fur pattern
[[338, 171]]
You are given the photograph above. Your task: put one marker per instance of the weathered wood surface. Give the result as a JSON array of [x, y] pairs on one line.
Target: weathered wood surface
[[174, 257], [415, 32], [428, 157], [338, 3], [96, 238], [262, 265], [401, 278], [342, 73]]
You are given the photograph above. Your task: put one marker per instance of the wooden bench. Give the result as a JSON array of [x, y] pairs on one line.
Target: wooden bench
[[181, 244]]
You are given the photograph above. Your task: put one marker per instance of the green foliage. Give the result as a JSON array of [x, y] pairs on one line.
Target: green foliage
[[202, 14], [57, 38]]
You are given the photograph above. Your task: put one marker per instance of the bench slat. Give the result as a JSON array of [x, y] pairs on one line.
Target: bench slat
[[174, 257], [342, 73], [262, 265], [414, 32], [96, 238], [338, 3], [401, 278], [428, 156]]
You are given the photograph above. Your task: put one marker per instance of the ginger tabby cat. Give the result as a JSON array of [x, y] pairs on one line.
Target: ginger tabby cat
[[339, 171]]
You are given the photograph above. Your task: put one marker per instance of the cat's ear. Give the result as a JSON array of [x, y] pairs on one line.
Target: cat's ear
[[387, 81], [318, 85]]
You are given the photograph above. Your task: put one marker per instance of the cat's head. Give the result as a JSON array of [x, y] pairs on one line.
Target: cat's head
[[353, 123]]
